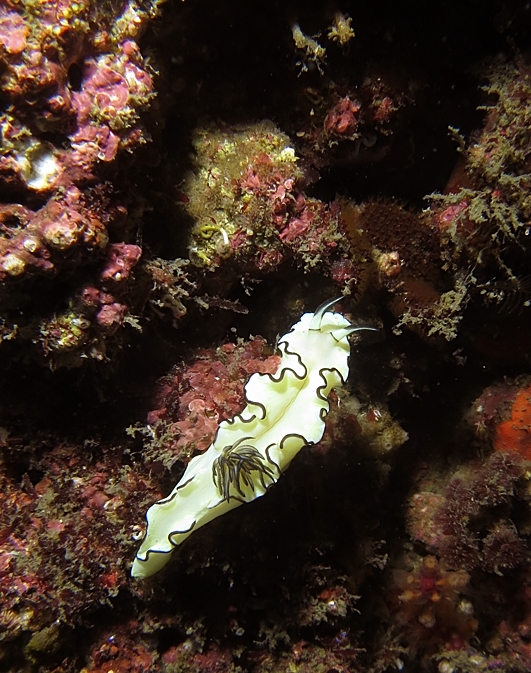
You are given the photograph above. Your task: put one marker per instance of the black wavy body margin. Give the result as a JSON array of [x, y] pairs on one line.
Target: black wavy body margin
[[323, 412], [284, 370], [173, 544]]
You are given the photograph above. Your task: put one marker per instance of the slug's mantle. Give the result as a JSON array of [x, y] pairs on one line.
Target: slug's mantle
[[284, 413]]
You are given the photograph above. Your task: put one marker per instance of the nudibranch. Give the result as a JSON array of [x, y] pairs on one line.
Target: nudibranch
[[285, 412]]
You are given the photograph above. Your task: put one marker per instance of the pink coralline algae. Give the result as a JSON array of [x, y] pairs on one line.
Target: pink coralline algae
[[194, 400], [60, 238], [58, 536], [110, 317], [121, 258], [100, 116], [72, 70], [13, 32], [171, 186], [114, 91], [58, 235], [349, 121], [342, 120], [95, 310], [246, 197]]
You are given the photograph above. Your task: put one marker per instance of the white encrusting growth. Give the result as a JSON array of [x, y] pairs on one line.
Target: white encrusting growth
[[284, 413], [38, 165]]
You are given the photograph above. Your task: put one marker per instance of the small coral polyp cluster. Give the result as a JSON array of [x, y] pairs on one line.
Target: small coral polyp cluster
[[431, 608]]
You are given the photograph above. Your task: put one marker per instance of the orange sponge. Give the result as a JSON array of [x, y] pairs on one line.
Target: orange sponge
[[514, 435]]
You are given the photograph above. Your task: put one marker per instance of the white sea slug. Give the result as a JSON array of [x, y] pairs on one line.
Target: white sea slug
[[285, 412]]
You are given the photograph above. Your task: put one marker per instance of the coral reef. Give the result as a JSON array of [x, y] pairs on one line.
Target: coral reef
[[483, 215], [58, 538], [193, 400], [247, 202], [431, 611], [471, 524], [179, 183], [486, 201], [404, 259], [75, 88]]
